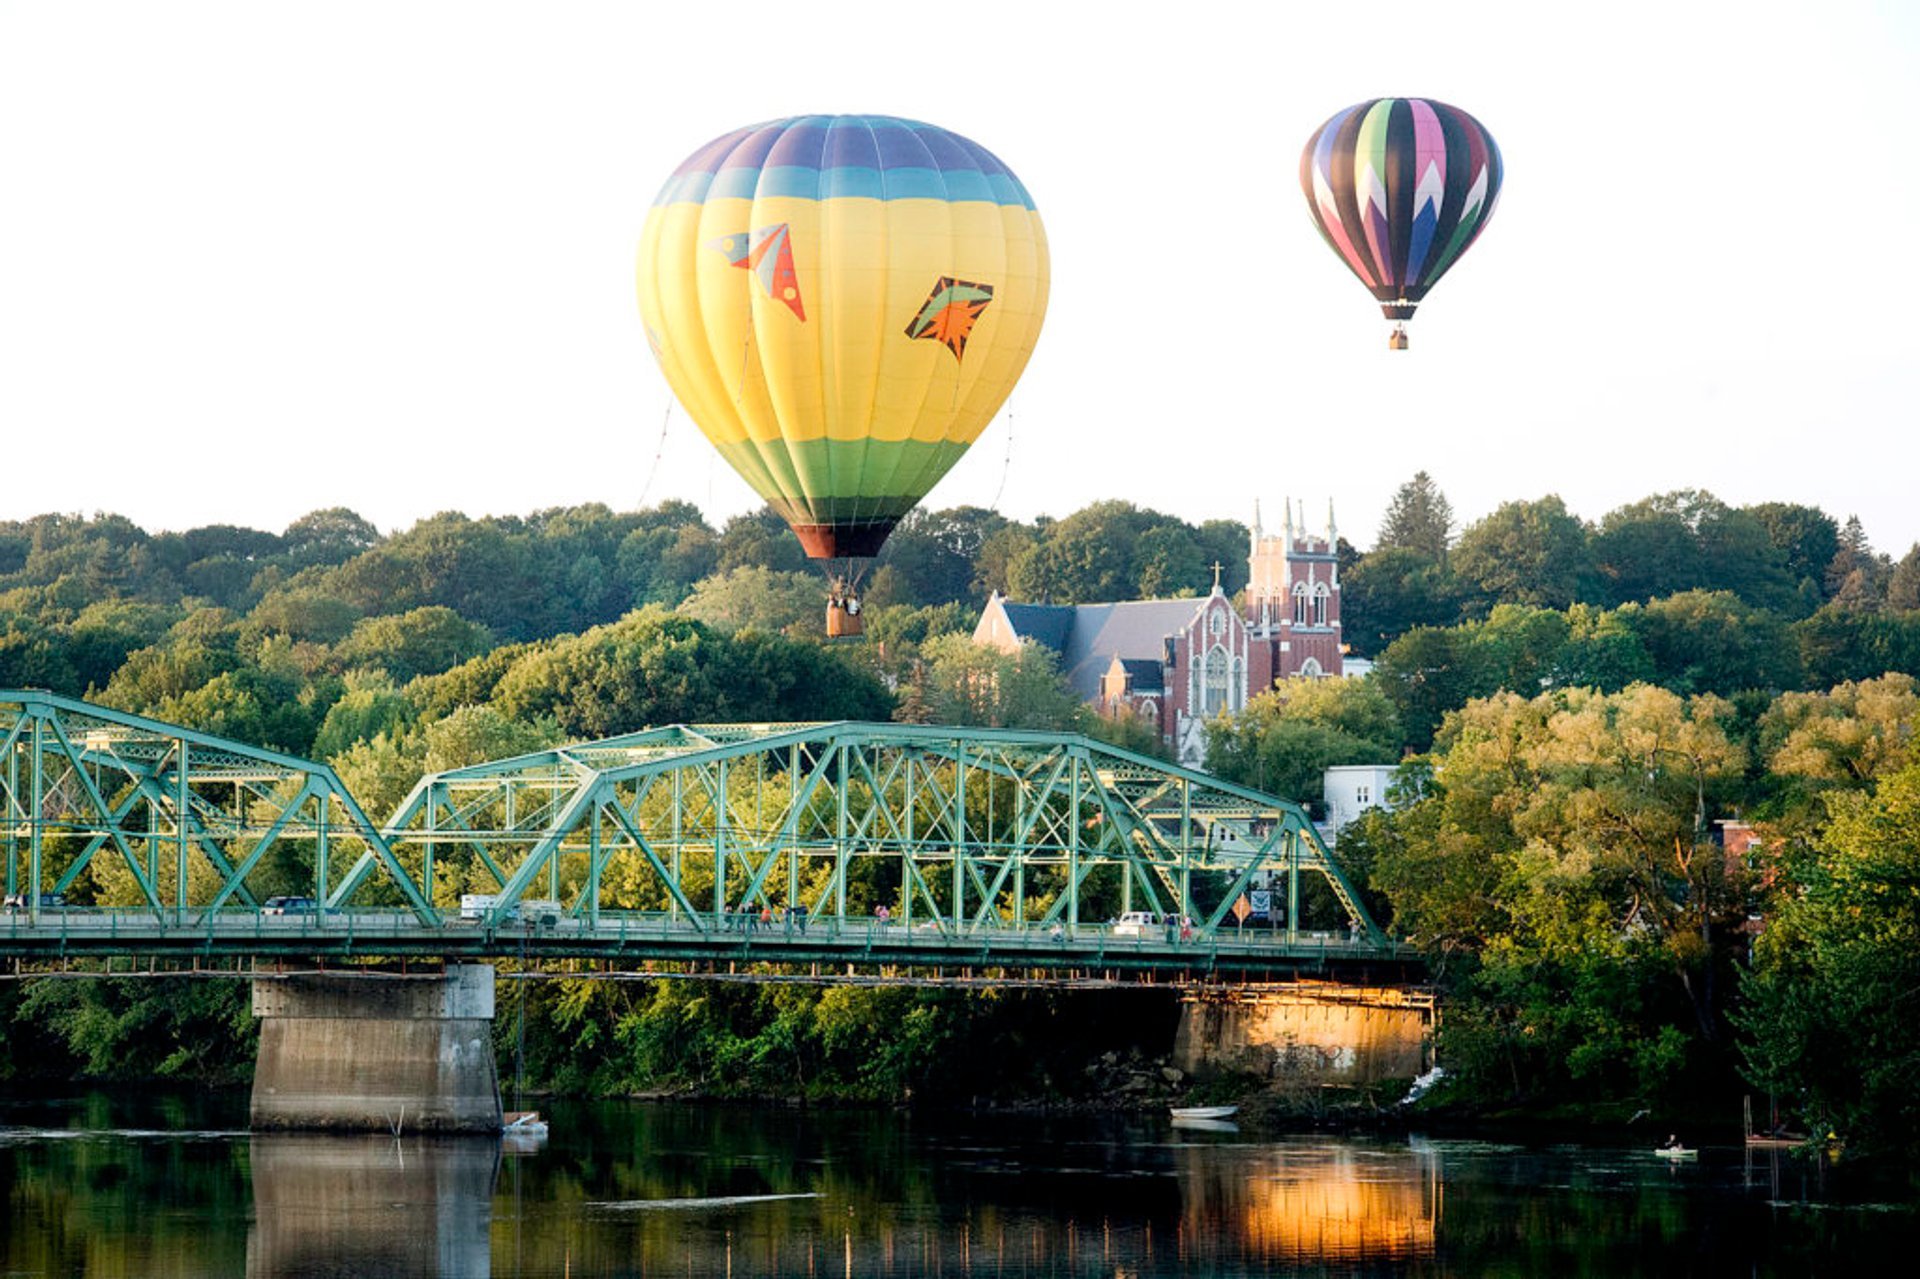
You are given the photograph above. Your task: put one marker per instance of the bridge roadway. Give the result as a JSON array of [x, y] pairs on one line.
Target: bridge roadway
[[866, 946]]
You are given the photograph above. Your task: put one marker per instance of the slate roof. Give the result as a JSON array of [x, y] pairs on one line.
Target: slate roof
[[1089, 636], [1047, 624], [1147, 674]]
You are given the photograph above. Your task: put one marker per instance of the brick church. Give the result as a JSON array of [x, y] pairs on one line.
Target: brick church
[[1180, 662]]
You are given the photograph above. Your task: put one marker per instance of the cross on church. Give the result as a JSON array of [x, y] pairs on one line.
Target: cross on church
[[1217, 566]]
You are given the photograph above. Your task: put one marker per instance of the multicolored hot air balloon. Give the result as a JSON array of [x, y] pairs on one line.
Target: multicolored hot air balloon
[[1400, 187], [842, 303]]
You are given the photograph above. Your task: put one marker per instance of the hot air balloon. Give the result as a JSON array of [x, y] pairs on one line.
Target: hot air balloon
[[1400, 187], [842, 303]]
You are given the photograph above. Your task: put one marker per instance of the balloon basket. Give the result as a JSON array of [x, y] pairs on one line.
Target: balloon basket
[[1397, 340], [844, 620]]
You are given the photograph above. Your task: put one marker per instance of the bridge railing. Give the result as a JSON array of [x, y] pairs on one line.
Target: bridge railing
[[136, 931]]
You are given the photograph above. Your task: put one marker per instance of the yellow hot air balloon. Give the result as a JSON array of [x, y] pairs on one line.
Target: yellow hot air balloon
[[842, 303]]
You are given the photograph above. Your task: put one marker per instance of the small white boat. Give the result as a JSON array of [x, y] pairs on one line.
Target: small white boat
[[1204, 1112], [1676, 1152], [523, 1123]]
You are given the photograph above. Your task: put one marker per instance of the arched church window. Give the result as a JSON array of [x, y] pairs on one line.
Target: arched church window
[[1237, 684], [1311, 669], [1320, 604], [1214, 684], [1300, 604]]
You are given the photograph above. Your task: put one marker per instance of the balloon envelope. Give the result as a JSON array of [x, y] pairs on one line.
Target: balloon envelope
[[842, 303], [1400, 187]]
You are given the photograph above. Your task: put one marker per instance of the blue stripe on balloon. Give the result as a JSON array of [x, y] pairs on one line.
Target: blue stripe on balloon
[[1419, 240], [842, 183]]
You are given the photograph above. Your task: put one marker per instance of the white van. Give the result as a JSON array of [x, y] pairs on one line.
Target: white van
[[1136, 923], [474, 908]]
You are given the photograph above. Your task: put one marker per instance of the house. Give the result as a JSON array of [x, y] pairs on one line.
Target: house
[[1349, 790], [1180, 662]]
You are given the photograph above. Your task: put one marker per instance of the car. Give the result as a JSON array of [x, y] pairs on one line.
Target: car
[[48, 901], [1136, 923], [289, 906]]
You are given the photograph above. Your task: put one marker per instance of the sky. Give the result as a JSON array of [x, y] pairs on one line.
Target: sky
[[258, 259]]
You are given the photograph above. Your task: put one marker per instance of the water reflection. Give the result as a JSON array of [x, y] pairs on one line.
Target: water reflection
[[1316, 1202], [370, 1206], [100, 1188]]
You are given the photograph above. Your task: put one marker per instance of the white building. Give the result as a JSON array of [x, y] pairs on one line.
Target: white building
[[1351, 789]]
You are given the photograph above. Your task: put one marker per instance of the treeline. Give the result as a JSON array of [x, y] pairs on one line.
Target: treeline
[[1579, 706], [1649, 900]]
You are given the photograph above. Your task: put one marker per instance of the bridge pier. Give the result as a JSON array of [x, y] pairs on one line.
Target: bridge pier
[[376, 1052], [1307, 1034]]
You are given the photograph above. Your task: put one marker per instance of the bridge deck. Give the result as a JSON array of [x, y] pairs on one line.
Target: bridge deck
[[1256, 954]]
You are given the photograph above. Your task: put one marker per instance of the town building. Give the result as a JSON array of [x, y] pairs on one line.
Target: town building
[[1179, 662], [1348, 790]]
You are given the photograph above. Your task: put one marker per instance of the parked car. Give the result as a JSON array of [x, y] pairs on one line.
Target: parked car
[[289, 906], [48, 901], [1136, 923]]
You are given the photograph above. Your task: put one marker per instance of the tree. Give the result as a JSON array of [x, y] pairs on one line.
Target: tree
[[1806, 537], [422, 641], [1857, 578], [332, 536], [1087, 558], [1709, 641], [790, 603], [933, 554], [1419, 518], [1830, 1016], [1285, 740], [973, 684], [1532, 553], [1903, 584], [1690, 540], [1392, 591], [760, 539]]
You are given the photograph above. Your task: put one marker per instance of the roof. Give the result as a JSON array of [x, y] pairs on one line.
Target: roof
[[1146, 674], [1048, 624]]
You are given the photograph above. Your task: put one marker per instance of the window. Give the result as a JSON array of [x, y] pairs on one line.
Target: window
[[1214, 684], [1320, 604], [1362, 795], [1300, 604]]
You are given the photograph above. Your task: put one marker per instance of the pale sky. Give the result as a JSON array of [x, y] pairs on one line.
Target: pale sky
[[261, 258]]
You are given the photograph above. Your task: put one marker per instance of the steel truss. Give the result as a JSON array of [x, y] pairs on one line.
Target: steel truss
[[962, 830], [79, 780]]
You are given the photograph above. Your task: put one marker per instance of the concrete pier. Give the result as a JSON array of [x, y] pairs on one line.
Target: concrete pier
[[376, 1052], [1308, 1034]]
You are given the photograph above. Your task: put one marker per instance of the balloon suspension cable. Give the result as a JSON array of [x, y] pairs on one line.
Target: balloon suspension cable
[[659, 452], [1006, 465]]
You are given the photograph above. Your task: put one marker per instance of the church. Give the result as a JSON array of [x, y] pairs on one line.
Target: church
[[1178, 663]]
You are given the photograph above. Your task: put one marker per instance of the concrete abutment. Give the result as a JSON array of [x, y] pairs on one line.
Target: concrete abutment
[[376, 1052], [1307, 1034]]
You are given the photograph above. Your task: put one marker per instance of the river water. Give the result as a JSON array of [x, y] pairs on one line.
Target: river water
[[115, 1185]]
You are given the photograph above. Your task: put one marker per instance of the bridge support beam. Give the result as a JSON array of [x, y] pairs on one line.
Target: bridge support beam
[[376, 1052], [1307, 1034]]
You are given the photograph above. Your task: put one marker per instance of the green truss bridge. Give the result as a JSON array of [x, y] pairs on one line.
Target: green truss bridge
[[840, 851]]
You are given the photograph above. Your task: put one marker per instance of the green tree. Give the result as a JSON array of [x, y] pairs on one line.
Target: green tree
[[422, 641], [1711, 642], [1418, 518], [1392, 591], [1532, 553], [1830, 1017], [1903, 584], [1690, 540], [790, 603], [1806, 536], [973, 684]]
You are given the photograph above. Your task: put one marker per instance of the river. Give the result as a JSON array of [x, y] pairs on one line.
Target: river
[[117, 1185]]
